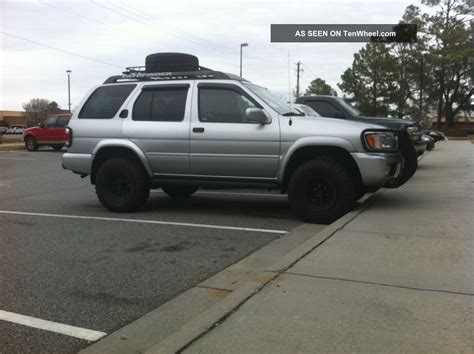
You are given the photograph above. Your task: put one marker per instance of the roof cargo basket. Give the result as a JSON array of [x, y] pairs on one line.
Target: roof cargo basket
[[179, 66]]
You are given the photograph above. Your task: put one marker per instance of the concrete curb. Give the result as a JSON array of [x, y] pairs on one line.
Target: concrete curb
[[8, 147], [214, 316]]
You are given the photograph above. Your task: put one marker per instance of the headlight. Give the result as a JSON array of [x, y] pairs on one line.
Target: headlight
[[415, 134], [381, 141]]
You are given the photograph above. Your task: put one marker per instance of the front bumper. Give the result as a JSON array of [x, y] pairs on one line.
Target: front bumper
[[420, 146], [379, 169], [78, 163]]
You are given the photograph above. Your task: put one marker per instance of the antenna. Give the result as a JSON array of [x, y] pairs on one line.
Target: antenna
[[290, 122]]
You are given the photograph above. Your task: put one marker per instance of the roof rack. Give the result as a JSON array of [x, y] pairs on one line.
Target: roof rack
[[139, 73]]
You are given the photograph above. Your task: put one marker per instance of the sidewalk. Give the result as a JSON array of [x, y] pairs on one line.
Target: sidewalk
[[399, 277]]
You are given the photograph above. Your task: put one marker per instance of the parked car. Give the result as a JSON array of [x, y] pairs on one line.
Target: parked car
[[305, 110], [159, 127], [430, 142], [18, 130], [336, 107], [3, 127], [436, 135], [51, 132]]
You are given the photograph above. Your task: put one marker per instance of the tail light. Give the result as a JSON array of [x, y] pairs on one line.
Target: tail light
[[69, 136]]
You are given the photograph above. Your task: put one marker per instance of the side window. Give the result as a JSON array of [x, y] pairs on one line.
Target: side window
[[105, 101], [50, 122], [166, 104], [323, 108], [62, 121], [142, 106], [223, 105]]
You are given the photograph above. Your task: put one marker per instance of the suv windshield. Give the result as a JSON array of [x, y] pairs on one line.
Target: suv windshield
[[271, 99], [353, 111]]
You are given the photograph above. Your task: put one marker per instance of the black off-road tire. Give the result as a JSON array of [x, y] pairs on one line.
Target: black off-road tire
[[321, 190], [179, 191], [57, 147], [122, 185], [31, 144], [361, 191], [430, 146]]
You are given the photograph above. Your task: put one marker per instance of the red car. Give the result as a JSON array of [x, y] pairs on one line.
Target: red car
[[51, 131]]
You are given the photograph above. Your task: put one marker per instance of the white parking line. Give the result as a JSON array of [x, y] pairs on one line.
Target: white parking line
[[221, 227], [232, 193], [17, 158], [55, 327]]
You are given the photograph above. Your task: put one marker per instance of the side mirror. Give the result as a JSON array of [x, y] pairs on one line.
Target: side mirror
[[338, 114], [42, 124], [257, 115]]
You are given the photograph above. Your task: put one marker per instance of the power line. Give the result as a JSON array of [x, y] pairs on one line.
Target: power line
[[117, 12], [311, 71], [195, 39], [104, 23], [59, 50], [81, 17]]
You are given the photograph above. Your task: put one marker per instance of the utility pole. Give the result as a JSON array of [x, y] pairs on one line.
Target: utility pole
[[68, 72], [298, 70]]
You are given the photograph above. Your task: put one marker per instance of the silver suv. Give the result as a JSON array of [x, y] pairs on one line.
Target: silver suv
[[183, 130]]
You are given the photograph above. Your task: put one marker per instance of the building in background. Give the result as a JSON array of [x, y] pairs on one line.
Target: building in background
[[20, 118], [14, 118]]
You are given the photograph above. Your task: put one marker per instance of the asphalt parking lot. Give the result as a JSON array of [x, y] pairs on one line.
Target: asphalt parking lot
[[67, 260]]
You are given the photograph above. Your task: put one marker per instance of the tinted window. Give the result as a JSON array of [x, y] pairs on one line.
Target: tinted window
[[161, 105], [62, 121], [50, 122], [323, 108], [223, 105], [142, 106], [105, 101]]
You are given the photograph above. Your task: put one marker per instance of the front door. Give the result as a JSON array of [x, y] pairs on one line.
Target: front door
[[223, 142], [49, 131]]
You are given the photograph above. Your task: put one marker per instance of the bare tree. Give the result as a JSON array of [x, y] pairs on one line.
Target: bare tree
[[37, 110]]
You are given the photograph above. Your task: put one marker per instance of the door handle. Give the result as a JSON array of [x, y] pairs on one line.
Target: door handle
[[198, 130]]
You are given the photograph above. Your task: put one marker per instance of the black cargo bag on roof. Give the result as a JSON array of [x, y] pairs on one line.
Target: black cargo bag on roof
[[170, 62]]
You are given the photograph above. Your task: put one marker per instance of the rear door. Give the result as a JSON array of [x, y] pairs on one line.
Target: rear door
[[159, 125], [223, 143]]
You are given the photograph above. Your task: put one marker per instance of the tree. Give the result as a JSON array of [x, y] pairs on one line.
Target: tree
[[451, 44], [413, 70], [37, 110], [54, 107], [371, 80], [320, 87]]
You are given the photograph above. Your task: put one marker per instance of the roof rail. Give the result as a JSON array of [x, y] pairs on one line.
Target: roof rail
[[139, 73]]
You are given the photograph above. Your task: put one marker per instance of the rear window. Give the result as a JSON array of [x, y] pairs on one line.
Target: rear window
[[105, 101], [62, 121]]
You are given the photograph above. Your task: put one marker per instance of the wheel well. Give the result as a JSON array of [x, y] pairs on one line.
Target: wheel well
[[109, 152], [307, 153]]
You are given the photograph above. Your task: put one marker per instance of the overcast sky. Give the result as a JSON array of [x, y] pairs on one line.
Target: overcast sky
[[116, 34]]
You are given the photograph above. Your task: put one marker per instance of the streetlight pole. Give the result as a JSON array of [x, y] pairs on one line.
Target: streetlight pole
[[241, 46], [68, 72]]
